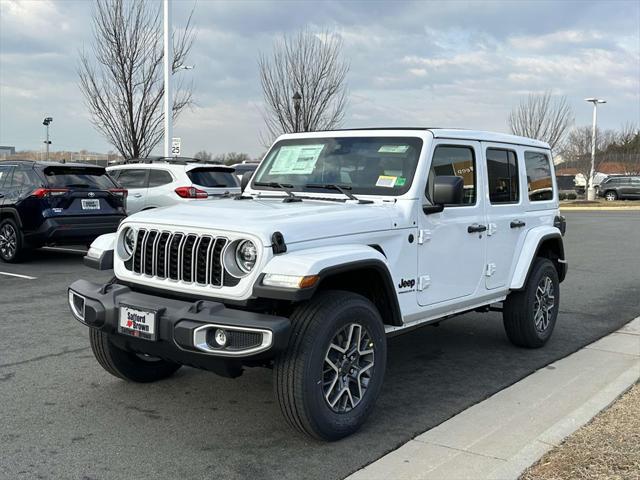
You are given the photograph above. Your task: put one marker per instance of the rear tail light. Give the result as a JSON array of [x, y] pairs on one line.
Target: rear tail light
[[48, 192], [191, 192], [120, 192]]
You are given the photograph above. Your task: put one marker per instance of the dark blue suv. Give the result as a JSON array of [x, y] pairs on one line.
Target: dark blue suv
[[46, 203]]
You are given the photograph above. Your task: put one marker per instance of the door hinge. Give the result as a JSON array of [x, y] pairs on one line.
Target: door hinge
[[424, 236], [423, 282], [491, 228], [490, 270]]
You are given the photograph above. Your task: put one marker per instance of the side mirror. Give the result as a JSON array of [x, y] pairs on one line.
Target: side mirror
[[244, 181], [447, 190]]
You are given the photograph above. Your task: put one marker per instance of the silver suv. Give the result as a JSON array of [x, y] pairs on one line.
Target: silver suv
[[166, 182]]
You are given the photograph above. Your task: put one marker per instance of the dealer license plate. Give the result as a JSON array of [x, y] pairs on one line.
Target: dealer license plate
[[137, 322], [90, 204]]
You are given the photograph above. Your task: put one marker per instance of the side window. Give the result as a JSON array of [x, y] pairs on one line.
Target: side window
[[539, 181], [133, 178], [502, 169], [24, 179], [114, 174], [159, 177], [454, 160], [5, 173]]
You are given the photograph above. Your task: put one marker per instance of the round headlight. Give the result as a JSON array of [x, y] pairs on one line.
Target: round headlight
[[246, 255], [129, 242]]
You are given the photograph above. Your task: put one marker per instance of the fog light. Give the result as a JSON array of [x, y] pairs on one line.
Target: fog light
[[76, 304], [220, 337]]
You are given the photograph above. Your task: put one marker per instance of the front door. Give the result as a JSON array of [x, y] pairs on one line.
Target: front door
[[506, 225], [451, 243]]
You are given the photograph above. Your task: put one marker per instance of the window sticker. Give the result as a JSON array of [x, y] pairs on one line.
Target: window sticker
[[296, 160], [393, 149], [386, 181], [401, 181]]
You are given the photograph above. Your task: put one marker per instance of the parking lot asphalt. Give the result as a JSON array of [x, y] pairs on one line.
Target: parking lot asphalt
[[62, 416]]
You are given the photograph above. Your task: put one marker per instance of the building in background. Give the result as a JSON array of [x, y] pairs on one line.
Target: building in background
[[6, 150]]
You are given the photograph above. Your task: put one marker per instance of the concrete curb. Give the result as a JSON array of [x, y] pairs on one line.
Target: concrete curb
[[506, 433], [599, 209]]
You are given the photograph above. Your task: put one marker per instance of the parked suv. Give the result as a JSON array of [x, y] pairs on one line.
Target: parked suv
[[339, 239], [620, 188], [46, 203], [164, 182]]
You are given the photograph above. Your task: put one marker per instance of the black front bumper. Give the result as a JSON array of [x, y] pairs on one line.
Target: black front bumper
[[177, 324], [73, 229]]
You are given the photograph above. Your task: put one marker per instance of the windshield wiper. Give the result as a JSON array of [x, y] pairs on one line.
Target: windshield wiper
[[78, 185], [343, 189], [282, 186]]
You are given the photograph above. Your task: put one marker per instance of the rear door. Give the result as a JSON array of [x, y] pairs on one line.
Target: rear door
[[135, 180], [214, 180], [81, 191], [506, 224], [160, 189], [5, 181]]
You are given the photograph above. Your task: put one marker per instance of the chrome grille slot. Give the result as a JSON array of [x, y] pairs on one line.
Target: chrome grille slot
[[185, 257]]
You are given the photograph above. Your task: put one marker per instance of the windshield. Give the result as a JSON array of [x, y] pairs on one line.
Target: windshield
[[365, 165], [212, 177], [79, 177]]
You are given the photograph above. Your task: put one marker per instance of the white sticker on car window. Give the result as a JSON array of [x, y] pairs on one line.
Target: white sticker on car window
[[386, 181], [296, 160], [393, 149]]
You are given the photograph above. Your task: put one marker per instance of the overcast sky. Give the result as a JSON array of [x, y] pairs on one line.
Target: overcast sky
[[454, 64]]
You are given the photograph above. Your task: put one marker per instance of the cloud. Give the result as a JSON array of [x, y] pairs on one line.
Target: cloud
[[462, 63]]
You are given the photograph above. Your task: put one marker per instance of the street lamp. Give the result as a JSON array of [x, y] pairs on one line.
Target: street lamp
[[296, 106], [47, 142], [591, 192]]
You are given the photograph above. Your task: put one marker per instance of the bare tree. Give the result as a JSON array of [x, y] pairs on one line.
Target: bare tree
[[543, 117], [312, 66], [203, 155], [124, 88], [576, 150], [232, 158]]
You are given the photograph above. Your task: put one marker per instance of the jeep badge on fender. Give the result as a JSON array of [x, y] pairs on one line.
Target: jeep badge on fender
[[311, 270]]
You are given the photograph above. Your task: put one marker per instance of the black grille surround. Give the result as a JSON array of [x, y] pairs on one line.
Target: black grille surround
[[185, 257]]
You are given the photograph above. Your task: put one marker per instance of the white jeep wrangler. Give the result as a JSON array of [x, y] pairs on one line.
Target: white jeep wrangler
[[338, 240]]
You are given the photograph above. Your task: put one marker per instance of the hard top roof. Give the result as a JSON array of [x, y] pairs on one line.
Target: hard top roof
[[451, 133]]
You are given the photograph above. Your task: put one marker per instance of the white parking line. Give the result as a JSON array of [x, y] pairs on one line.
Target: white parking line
[[60, 249], [18, 275]]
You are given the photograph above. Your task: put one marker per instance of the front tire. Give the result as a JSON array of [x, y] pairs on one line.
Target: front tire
[[611, 196], [128, 365], [11, 242], [330, 375], [529, 315]]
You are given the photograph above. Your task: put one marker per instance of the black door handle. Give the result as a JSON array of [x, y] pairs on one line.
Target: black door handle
[[476, 228], [1, 195], [517, 224]]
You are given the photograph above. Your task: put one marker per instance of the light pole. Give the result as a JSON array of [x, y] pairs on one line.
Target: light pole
[[46, 122], [296, 106], [167, 64], [591, 192]]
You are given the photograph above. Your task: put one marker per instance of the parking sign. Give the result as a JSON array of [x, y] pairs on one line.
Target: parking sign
[[175, 146]]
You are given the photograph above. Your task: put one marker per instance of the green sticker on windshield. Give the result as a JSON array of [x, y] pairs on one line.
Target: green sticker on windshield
[[400, 181]]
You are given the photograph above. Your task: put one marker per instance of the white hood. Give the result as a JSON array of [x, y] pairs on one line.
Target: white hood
[[297, 221]]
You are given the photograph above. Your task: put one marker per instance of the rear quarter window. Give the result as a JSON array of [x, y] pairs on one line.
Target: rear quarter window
[[539, 176], [78, 177], [211, 177]]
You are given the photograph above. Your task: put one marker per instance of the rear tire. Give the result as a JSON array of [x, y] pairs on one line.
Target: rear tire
[[329, 377], [11, 241], [128, 365], [529, 315]]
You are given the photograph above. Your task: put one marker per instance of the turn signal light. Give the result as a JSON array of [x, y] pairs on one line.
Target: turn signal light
[[191, 192], [48, 192]]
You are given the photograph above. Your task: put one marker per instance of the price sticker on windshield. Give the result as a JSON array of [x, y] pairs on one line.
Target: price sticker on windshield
[[296, 160]]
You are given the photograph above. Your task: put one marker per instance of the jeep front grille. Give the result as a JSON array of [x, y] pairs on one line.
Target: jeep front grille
[[185, 257]]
